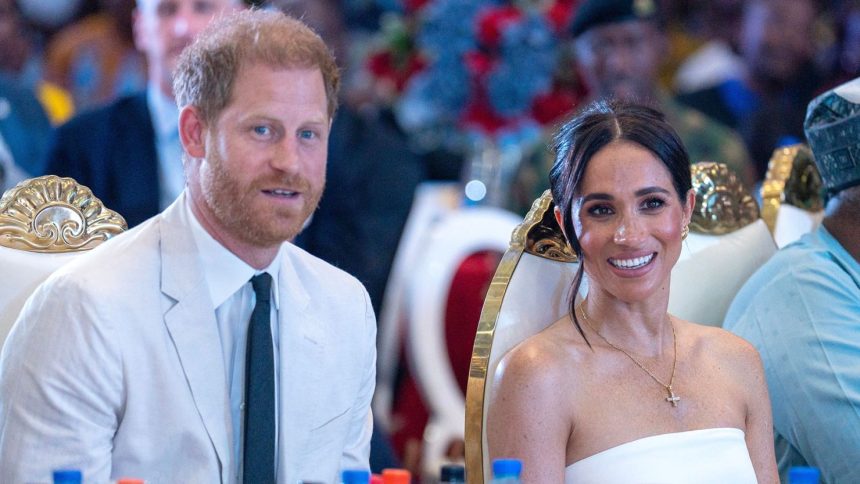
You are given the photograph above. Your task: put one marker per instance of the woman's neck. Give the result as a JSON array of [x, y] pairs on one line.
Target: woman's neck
[[642, 327]]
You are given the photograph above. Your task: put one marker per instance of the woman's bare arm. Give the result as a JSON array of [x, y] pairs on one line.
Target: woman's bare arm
[[528, 416], [759, 422]]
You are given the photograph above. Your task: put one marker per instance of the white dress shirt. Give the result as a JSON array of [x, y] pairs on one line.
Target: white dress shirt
[[228, 278]]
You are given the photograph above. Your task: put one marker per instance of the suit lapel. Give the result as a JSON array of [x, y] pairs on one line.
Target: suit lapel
[[193, 328], [302, 369]]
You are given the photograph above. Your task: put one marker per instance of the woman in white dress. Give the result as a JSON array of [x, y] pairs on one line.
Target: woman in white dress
[[619, 390]]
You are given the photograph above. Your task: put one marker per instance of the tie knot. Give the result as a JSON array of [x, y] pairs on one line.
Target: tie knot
[[262, 284]]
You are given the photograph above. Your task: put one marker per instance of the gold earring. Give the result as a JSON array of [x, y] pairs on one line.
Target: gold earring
[[685, 231]]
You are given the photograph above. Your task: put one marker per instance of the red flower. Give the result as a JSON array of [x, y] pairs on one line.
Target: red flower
[[493, 21], [479, 63], [552, 106], [560, 14], [480, 115], [384, 65], [414, 5]]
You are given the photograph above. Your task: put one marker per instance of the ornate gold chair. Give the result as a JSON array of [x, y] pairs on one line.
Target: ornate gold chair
[[792, 204], [727, 243], [44, 223], [528, 292]]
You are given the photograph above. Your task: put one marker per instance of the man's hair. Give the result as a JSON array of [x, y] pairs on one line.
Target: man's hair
[[208, 68]]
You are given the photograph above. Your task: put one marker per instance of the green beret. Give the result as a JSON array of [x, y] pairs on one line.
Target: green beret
[[832, 128], [593, 13]]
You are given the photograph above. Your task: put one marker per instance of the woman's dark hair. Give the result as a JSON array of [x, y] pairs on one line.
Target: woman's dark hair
[[590, 130]]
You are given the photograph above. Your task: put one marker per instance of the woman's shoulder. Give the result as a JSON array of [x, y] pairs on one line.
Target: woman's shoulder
[[721, 346], [544, 357]]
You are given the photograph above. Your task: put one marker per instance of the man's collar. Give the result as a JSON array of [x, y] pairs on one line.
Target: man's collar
[[224, 272], [165, 114]]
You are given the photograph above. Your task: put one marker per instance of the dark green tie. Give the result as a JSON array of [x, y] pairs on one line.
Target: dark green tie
[[259, 445]]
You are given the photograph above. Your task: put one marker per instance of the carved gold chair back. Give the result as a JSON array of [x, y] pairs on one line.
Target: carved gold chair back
[[529, 291], [44, 222], [792, 204], [728, 241]]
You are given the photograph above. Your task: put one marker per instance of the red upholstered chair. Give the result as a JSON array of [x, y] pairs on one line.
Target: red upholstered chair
[[401, 405], [44, 223], [791, 194], [458, 237], [433, 201]]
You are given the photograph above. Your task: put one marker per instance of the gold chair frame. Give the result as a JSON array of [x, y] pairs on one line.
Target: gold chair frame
[[539, 235], [792, 178], [49, 214], [44, 223]]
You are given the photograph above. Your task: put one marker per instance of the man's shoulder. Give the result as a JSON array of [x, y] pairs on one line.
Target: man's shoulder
[[805, 272], [792, 262], [309, 266], [130, 107], [708, 139], [332, 293], [683, 116], [125, 259]]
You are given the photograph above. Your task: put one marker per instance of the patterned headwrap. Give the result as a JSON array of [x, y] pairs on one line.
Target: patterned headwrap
[[832, 128]]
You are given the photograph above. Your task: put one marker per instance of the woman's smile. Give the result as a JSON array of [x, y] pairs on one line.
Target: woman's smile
[[632, 263]]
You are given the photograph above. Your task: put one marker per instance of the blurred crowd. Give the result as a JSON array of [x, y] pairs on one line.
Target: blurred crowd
[[733, 61]]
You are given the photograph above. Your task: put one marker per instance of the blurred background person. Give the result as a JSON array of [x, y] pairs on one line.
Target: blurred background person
[[21, 63], [24, 132], [126, 152], [766, 105], [619, 46], [716, 60], [844, 54], [95, 58]]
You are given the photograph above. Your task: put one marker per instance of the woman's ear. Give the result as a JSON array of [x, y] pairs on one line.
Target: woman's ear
[[689, 206], [559, 219], [192, 131]]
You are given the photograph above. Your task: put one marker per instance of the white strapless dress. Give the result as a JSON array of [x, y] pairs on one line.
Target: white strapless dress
[[697, 456]]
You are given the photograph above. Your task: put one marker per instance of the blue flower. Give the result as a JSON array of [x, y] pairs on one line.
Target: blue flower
[[528, 62], [448, 26]]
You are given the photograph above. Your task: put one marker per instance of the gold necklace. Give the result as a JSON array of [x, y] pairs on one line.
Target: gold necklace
[[671, 398]]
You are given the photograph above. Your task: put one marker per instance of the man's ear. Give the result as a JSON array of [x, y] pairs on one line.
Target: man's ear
[[192, 132]]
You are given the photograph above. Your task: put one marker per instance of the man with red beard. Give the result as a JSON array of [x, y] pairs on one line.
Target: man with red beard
[[139, 358]]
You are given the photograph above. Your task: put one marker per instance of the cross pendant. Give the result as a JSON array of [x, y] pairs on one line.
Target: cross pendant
[[672, 398]]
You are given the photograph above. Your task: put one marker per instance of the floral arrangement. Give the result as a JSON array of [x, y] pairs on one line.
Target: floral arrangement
[[456, 70]]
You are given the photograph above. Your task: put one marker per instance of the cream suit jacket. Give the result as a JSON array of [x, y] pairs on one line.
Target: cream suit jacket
[[114, 367]]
